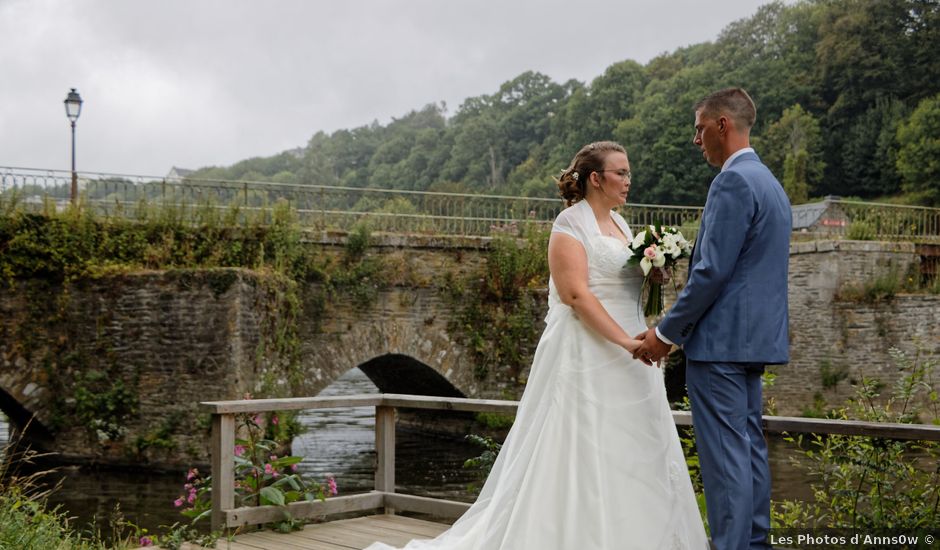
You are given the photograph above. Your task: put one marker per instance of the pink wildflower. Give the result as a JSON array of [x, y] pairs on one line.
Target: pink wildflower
[[273, 457], [146, 541], [293, 467], [191, 498], [268, 469], [178, 502], [191, 475], [274, 420], [239, 450], [332, 484]]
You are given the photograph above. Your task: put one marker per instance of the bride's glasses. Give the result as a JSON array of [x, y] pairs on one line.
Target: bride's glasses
[[624, 175]]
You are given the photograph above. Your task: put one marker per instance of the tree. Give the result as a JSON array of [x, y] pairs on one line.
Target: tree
[[919, 153], [869, 151], [792, 148]]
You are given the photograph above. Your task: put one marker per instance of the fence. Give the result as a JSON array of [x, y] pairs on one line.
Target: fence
[[404, 211], [316, 206]]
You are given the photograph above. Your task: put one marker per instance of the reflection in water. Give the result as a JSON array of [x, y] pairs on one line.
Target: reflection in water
[[337, 441], [342, 442]]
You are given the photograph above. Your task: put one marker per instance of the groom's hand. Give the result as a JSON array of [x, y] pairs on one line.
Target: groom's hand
[[652, 349]]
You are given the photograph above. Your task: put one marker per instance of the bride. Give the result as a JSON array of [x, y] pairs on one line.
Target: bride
[[593, 460]]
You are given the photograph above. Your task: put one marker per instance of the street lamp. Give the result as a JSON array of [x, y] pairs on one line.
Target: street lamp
[[73, 108]]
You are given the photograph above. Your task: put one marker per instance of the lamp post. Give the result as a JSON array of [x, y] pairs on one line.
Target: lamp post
[[73, 108]]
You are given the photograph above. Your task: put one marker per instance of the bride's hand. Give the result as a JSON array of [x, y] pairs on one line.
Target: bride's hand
[[632, 344]]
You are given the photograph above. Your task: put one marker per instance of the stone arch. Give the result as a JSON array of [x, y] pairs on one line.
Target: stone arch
[[409, 345], [22, 419]]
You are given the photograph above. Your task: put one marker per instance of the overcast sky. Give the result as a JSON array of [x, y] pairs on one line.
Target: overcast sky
[[193, 83]]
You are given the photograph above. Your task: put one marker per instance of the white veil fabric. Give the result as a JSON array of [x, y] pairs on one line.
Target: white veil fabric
[[593, 460]]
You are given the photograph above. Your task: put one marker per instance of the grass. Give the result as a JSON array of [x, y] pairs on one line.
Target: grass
[[28, 523]]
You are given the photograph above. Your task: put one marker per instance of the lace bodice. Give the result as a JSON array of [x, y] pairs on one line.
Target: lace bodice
[[607, 258]]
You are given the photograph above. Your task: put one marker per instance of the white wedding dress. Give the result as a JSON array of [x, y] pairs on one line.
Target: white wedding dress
[[593, 460]]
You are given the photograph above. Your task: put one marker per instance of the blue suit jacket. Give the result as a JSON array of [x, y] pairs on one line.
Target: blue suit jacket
[[734, 306]]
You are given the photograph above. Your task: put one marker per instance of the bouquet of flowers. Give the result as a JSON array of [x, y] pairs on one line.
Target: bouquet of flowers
[[657, 246]]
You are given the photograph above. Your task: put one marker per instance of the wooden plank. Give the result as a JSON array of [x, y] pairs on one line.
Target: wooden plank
[[287, 541], [385, 534], [290, 404], [888, 430], [385, 449], [223, 469], [426, 505], [449, 403], [348, 537], [423, 528], [253, 515], [225, 544], [682, 418]]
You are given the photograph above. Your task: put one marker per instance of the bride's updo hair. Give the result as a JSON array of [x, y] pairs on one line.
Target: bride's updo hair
[[572, 184]]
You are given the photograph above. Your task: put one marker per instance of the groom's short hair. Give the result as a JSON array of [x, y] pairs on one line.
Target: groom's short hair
[[732, 102]]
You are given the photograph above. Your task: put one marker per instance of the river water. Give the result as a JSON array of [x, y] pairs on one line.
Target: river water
[[336, 441]]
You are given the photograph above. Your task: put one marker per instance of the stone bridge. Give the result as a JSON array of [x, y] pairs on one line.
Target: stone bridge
[[112, 370]]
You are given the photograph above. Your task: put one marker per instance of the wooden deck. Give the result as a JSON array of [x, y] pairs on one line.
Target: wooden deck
[[343, 534]]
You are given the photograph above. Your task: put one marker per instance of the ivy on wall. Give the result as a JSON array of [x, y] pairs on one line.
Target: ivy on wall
[[499, 310], [498, 305]]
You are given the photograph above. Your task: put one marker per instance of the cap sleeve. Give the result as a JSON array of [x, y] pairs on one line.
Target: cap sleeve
[[565, 223]]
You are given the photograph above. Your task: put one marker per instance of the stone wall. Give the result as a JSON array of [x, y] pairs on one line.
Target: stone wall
[[114, 368], [836, 341], [410, 317], [164, 341]]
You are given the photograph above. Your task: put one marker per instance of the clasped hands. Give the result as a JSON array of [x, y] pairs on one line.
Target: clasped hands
[[651, 348]]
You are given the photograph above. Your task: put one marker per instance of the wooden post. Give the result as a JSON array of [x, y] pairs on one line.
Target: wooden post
[[223, 468], [385, 451]]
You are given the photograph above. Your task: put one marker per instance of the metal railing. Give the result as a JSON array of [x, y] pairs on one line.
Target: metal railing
[[316, 206], [839, 218], [404, 211]]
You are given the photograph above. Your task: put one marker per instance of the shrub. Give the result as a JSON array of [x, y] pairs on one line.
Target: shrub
[[872, 482]]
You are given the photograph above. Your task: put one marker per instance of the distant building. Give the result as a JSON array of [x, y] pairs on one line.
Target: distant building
[[178, 173], [820, 217]]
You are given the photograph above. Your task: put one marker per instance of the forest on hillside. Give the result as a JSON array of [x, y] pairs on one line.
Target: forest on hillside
[[847, 93]]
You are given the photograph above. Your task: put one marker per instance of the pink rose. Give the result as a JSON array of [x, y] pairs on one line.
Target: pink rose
[[650, 252]]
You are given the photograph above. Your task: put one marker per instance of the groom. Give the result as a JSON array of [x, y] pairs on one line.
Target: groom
[[731, 319]]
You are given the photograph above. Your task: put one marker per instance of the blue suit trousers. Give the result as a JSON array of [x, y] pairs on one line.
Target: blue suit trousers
[[726, 414]]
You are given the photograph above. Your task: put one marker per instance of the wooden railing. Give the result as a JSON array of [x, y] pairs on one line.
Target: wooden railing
[[225, 515]]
